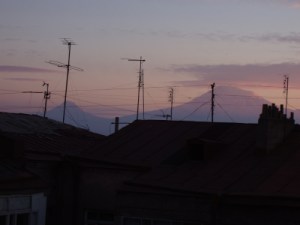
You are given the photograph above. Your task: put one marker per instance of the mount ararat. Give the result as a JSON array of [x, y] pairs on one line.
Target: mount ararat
[[231, 105]]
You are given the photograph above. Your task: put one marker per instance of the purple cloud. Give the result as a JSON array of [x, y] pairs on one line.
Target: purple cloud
[[24, 79], [288, 38], [11, 39], [237, 74], [23, 69]]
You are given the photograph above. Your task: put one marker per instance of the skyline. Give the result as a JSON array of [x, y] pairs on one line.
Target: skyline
[[187, 45]]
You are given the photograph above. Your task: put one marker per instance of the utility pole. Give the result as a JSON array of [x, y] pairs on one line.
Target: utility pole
[[69, 43], [140, 85], [46, 97], [285, 91], [212, 101], [171, 100]]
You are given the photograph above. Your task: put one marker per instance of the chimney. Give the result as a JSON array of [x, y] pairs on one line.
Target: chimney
[[116, 124], [273, 127]]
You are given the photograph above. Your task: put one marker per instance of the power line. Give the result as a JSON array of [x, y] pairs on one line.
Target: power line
[[153, 87], [195, 110], [225, 112]]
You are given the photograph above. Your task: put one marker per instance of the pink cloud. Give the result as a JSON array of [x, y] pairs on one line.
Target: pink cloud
[[23, 69], [293, 3], [24, 79], [242, 74], [287, 38]]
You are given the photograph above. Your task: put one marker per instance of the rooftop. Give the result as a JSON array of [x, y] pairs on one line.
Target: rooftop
[[44, 138], [228, 162]]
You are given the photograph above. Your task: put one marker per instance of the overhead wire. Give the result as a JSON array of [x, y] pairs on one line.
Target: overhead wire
[[195, 110], [225, 112], [117, 106]]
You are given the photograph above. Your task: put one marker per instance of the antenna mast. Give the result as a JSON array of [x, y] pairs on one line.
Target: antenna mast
[[286, 90], [140, 85], [69, 43], [171, 100], [212, 101], [46, 97]]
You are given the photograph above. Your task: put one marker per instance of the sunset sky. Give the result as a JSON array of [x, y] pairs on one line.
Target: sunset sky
[[187, 44]]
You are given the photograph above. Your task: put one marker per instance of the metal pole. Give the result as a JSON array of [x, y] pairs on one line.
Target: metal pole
[[143, 88], [140, 85], [139, 90], [171, 100], [212, 102], [286, 93], [66, 90], [46, 97], [116, 124]]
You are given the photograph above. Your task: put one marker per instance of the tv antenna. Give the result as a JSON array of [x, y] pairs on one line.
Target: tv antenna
[[69, 43], [286, 90], [212, 101], [167, 116], [140, 85], [171, 100], [46, 96]]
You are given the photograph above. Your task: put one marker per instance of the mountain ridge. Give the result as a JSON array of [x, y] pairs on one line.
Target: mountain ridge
[[231, 105]]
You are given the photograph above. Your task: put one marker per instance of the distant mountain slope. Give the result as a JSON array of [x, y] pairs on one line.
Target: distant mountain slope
[[231, 105], [79, 118]]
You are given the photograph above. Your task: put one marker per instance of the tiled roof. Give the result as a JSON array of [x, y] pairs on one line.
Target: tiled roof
[[153, 141], [235, 167], [44, 138]]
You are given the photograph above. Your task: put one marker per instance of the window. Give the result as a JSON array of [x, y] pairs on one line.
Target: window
[[148, 221], [2, 220], [99, 218], [15, 219], [22, 219], [20, 210], [131, 221]]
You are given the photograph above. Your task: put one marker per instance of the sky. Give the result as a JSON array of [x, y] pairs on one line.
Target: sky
[[187, 45]]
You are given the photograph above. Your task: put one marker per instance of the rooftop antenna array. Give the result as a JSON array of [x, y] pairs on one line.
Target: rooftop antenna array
[[46, 95], [212, 101], [140, 84], [286, 90], [69, 43], [171, 100]]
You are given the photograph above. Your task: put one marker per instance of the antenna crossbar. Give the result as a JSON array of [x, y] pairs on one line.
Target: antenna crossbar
[[140, 84], [69, 43], [32, 92]]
